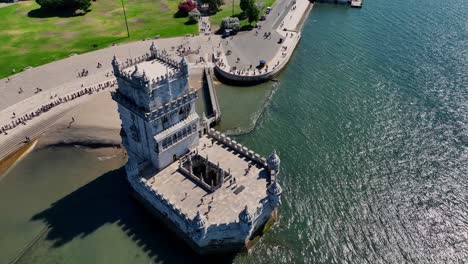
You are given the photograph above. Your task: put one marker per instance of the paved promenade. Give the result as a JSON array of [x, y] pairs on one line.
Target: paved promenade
[[33, 89], [240, 55]]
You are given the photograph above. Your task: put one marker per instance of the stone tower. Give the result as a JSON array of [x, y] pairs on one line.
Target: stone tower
[[157, 109]]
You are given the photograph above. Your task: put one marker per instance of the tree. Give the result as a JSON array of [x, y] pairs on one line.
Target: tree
[[244, 5], [187, 6], [213, 5], [253, 13], [194, 15], [65, 5], [230, 23]]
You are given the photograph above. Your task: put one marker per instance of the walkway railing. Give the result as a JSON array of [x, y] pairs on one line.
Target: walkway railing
[[216, 117]]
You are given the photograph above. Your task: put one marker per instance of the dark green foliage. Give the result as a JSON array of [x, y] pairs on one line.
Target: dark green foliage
[[251, 10], [244, 5], [253, 13], [65, 5], [194, 16], [213, 5]]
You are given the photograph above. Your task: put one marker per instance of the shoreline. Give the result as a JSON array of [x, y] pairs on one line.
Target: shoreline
[[91, 130], [8, 163]]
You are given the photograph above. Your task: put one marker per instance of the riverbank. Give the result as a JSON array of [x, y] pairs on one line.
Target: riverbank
[[11, 160]]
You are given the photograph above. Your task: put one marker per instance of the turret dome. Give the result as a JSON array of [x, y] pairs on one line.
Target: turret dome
[[245, 216], [153, 47], [115, 61], [275, 189], [273, 160], [199, 221], [183, 61]]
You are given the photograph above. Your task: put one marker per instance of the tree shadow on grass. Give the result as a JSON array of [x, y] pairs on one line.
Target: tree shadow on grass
[[241, 16], [180, 14], [45, 13], [190, 22], [107, 200]]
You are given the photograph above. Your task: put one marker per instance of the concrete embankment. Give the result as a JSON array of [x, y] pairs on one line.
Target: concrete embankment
[[11, 160], [290, 31]]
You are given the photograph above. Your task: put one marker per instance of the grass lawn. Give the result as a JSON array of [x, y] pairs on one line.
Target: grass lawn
[[32, 41], [226, 11]]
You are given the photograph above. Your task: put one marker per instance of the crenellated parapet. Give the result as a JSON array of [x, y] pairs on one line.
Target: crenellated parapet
[[175, 69], [150, 116], [159, 197], [178, 102], [237, 147]]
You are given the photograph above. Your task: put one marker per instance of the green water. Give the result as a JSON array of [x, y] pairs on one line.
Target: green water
[[371, 122]]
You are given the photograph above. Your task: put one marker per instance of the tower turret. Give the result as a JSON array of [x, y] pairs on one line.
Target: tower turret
[[273, 162], [154, 49], [204, 124], [183, 66], [199, 224], [116, 64], [274, 194], [245, 220]]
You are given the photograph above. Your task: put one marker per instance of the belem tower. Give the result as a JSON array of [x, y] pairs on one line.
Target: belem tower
[[214, 193]]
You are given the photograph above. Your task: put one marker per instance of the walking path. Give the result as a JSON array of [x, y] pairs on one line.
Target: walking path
[[34, 100], [232, 62]]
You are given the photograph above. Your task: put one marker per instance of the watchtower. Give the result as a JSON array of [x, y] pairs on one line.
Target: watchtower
[[157, 108]]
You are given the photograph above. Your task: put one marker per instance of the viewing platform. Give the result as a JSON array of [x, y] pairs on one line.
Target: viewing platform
[[217, 197], [240, 64]]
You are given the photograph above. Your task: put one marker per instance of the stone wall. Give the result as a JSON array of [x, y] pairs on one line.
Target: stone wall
[[237, 146], [254, 79], [216, 233]]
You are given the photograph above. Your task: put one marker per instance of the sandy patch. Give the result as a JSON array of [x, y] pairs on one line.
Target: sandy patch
[[137, 20], [61, 22], [163, 6], [13, 32], [68, 35]]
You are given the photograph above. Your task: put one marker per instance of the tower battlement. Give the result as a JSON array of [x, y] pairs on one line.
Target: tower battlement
[[150, 77]]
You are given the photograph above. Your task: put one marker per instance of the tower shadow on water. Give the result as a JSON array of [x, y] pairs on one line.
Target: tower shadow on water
[[108, 200]]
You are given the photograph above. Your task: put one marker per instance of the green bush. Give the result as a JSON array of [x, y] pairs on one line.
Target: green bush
[[194, 15], [230, 23]]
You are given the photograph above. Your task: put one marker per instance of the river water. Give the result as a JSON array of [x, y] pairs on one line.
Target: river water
[[371, 122]]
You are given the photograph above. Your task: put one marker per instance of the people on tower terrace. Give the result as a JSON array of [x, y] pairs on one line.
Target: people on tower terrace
[[56, 101]]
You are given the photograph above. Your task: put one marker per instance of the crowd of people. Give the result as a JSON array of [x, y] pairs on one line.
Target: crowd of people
[[21, 120], [83, 73], [183, 51], [250, 71], [205, 27]]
